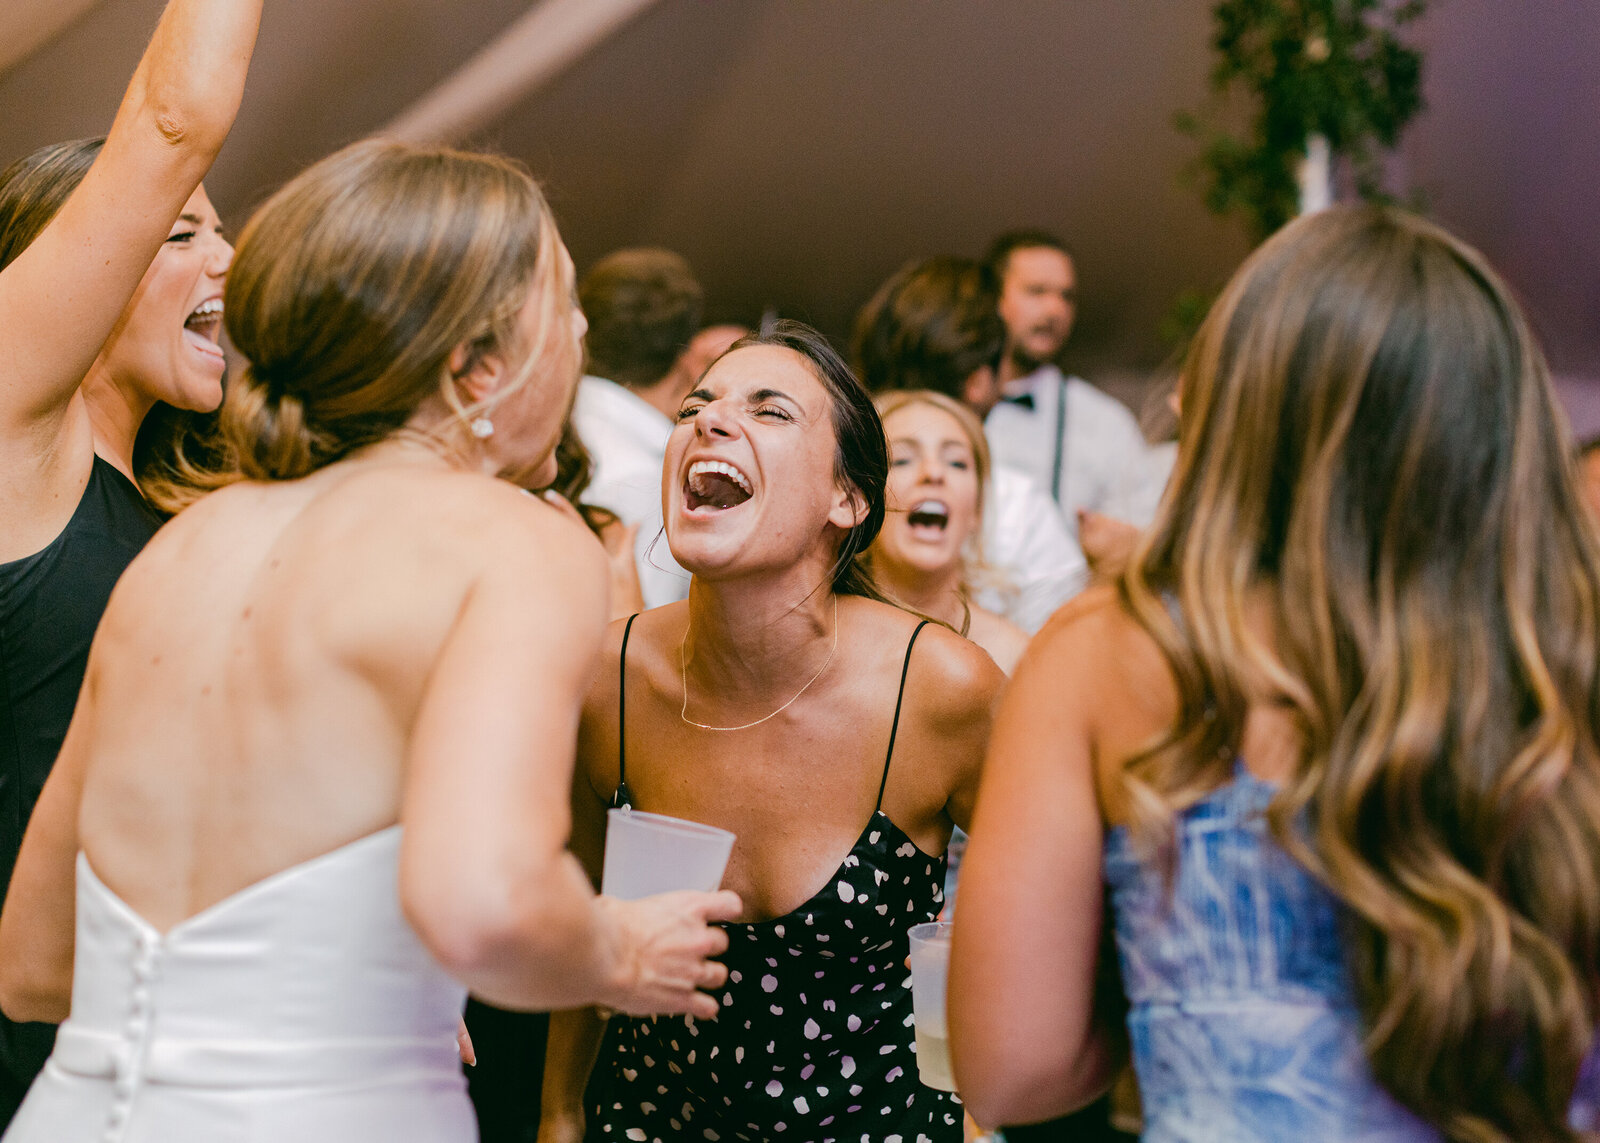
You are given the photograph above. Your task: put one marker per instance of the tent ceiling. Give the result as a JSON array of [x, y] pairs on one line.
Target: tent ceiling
[[797, 151]]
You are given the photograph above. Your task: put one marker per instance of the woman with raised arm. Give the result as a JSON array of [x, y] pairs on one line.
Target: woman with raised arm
[[1329, 746], [111, 265], [838, 737], [320, 764]]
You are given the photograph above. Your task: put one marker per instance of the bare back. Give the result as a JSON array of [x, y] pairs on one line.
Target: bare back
[[255, 682]]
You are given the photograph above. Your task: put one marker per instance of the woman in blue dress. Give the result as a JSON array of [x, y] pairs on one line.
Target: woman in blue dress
[[1325, 757]]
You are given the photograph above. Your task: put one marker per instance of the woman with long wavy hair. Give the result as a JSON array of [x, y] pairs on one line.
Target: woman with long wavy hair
[[1327, 749]]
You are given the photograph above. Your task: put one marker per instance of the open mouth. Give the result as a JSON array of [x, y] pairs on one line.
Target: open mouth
[[203, 328], [929, 518], [716, 485]]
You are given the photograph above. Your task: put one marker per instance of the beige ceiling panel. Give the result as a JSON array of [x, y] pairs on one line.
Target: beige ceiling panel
[[27, 25]]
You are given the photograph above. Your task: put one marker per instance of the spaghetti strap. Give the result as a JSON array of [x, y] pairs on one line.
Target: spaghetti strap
[[623, 796], [899, 701]]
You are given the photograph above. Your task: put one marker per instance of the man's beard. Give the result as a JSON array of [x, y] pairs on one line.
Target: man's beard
[[1025, 363]]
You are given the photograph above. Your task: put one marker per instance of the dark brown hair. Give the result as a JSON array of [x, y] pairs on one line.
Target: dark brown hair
[[930, 326], [1007, 244], [35, 188], [1371, 449], [643, 306], [861, 453]]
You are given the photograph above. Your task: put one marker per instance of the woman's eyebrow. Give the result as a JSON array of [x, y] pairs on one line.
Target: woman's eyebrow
[[769, 394], [702, 394]]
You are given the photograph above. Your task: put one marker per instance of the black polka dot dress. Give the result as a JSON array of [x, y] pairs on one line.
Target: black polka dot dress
[[815, 1040]]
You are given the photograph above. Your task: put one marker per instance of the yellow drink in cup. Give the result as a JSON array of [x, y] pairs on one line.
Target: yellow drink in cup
[[930, 968]]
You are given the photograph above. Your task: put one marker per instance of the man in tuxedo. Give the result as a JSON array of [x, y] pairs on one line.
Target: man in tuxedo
[[1079, 444]]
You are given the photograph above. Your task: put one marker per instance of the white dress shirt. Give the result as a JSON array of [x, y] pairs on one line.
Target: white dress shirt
[[1035, 565], [627, 438], [1088, 454]]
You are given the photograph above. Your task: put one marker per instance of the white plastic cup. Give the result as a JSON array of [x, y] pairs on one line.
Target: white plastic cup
[[930, 968], [652, 853]]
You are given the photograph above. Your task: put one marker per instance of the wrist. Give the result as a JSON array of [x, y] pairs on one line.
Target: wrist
[[618, 973]]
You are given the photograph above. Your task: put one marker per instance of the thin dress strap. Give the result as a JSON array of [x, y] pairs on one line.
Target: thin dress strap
[[623, 796], [899, 701]]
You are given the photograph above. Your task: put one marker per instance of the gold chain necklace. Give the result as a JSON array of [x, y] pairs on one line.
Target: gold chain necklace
[[683, 669]]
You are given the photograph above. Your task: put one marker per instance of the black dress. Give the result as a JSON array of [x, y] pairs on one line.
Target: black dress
[[815, 1041], [50, 605]]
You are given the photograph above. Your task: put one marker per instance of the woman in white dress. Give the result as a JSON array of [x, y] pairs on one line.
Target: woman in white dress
[[315, 787]]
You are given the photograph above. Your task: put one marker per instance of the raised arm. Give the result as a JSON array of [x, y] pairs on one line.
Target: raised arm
[[60, 299], [485, 875], [1025, 1042]]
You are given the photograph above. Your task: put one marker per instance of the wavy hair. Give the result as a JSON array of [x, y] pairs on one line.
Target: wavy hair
[[1370, 448]]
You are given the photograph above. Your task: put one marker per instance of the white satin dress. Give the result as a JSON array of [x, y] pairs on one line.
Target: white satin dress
[[302, 1009]]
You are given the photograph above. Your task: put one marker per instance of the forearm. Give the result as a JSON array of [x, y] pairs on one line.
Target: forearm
[[37, 927], [32, 991], [570, 1053], [540, 941]]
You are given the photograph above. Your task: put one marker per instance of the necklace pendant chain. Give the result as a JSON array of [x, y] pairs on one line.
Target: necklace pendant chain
[[683, 668]]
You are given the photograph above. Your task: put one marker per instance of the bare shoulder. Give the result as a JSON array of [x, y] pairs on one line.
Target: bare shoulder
[[953, 681], [1001, 638], [637, 630], [1091, 624], [1094, 656], [505, 530]]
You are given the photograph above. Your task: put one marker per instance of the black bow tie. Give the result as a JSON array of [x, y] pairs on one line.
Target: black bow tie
[[1023, 399]]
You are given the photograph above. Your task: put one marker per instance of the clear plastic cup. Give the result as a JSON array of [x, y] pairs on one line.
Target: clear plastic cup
[[930, 968], [652, 853]]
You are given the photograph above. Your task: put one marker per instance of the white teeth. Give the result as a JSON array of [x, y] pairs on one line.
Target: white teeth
[[930, 508], [210, 309], [703, 467]]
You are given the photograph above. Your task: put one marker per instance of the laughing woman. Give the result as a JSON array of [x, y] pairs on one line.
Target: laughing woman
[[89, 345], [836, 735], [927, 553]]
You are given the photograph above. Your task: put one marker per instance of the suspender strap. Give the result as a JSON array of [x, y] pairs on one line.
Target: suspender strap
[[1061, 441]]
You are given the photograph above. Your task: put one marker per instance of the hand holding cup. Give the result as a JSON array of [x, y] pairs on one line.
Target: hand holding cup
[[667, 945]]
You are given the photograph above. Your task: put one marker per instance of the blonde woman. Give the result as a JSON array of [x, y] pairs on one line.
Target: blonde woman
[[316, 785], [1330, 743], [928, 553]]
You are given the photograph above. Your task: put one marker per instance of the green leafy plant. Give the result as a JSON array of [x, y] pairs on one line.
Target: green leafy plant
[[1335, 68]]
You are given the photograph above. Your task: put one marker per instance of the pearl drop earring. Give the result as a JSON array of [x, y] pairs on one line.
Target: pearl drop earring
[[482, 428]]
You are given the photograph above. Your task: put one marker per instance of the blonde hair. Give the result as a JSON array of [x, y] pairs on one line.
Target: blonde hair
[[1369, 444], [975, 572], [350, 290]]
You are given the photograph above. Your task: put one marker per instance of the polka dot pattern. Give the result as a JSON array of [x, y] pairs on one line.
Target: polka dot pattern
[[815, 1039]]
